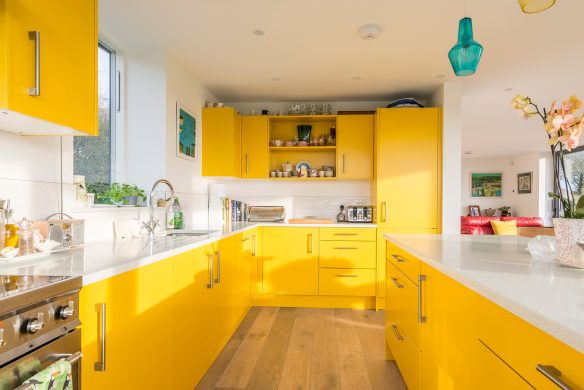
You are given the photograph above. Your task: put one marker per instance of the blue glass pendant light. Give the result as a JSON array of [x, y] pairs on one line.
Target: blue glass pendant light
[[466, 54]]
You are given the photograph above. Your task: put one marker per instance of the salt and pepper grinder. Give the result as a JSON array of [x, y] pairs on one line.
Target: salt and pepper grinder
[[341, 217]]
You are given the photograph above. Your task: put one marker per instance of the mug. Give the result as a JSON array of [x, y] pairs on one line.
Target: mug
[[320, 173]]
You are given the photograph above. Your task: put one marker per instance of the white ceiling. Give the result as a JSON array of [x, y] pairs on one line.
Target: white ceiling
[[314, 48]]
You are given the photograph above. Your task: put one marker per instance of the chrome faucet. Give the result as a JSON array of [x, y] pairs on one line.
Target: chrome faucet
[[152, 224]]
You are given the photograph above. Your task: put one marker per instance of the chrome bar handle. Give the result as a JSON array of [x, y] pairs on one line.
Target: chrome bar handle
[[100, 366], [383, 211], [211, 260], [421, 316], [253, 244], [553, 374], [397, 283], [246, 164], [346, 276], [346, 247], [396, 333], [398, 258], [218, 280], [343, 163], [36, 36], [344, 234], [309, 244]]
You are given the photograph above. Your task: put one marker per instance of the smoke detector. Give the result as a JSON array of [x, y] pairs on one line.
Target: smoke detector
[[369, 31]]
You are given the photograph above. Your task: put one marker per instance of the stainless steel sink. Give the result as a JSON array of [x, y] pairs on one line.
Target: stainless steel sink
[[188, 233]]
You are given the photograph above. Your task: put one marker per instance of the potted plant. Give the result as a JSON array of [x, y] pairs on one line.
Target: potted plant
[[505, 211], [121, 194], [564, 129], [132, 193]]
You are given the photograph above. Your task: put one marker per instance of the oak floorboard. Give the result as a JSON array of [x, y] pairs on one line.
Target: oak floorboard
[[352, 366], [268, 370], [238, 372], [325, 373]]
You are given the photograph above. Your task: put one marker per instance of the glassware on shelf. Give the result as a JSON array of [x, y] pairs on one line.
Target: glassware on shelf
[[25, 237]]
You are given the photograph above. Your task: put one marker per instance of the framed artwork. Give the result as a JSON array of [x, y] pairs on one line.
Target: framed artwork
[[474, 211], [186, 134], [524, 182], [486, 185]]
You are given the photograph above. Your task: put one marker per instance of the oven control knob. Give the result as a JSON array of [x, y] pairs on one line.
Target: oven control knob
[[65, 312], [35, 324]]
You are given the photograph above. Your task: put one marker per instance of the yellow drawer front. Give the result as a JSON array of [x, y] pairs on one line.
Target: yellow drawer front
[[405, 262], [347, 254], [347, 282], [348, 234]]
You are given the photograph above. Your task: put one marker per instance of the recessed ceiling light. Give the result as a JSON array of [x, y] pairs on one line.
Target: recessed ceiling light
[[468, 152], [369, 31], [259, 33], [357, 78], [509, 89], [276, 79]]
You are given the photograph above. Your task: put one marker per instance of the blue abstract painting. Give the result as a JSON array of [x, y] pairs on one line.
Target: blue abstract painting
[[186, 134]]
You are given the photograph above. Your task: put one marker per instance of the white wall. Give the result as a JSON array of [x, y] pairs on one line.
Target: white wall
[[535, 204]]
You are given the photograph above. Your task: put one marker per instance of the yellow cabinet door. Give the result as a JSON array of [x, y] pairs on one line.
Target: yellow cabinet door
[[66, 61], [494, 373], [408, 168], [254, 147], [355, 147], [290, 260], [138, 311], [350, 282], [221, 142], [191, 343], [256, 264]]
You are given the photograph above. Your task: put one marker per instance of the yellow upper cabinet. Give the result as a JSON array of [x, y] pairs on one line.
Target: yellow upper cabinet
[[290, 260], [355, 147], [408, 168], [254, 147], [221, 142], [48, 74]]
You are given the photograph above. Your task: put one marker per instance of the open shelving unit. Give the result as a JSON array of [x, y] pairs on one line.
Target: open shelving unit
[[285, 128]]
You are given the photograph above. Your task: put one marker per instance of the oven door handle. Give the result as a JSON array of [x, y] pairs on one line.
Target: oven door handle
[[70, 357]]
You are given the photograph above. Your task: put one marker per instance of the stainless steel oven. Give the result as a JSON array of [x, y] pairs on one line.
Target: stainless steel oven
[[39, 324]]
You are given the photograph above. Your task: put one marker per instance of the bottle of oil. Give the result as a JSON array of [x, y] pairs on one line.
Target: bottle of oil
[[11, 237]]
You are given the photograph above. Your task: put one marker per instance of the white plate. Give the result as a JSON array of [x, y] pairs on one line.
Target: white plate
[[304, 164]]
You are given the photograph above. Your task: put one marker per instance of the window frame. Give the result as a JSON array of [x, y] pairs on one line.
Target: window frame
[[555, 202], [113, 108]]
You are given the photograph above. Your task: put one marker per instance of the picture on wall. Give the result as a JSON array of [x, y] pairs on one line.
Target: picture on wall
[[485, 185], [186, 134], [524, 182]]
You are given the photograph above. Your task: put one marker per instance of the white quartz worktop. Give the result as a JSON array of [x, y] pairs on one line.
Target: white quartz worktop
[[542, 292], [100, 260]]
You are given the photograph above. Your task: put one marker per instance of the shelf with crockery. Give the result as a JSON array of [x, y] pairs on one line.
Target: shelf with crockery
[[302, 148]]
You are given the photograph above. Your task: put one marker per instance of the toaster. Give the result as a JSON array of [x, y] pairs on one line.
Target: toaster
[[69, 232], [360, 214]]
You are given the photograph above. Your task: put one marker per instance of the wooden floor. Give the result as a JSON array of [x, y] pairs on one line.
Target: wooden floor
[[295, 348]]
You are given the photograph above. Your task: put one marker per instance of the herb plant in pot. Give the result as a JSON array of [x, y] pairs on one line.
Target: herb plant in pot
[[564, 129], [122, 194]]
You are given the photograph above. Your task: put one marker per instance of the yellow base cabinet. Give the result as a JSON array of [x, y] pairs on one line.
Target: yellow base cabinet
[[355, 147], [48, 75], [221, 142], [137, 311], [290, 260]]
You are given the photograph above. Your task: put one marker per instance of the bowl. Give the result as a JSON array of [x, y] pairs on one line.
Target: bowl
[[329, 173], [289, 143], [9, 252], [302, 143], [278, 142]]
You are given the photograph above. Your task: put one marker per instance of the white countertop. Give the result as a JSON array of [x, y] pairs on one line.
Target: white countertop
[[100, 260], [544, 293]]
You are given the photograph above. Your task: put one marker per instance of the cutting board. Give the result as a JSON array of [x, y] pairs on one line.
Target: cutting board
[[310, 221]]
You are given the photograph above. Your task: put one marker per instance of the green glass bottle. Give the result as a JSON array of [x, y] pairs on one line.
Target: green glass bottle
[[177, 215]]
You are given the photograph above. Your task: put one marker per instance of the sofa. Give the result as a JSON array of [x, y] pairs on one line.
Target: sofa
[[482, 225]]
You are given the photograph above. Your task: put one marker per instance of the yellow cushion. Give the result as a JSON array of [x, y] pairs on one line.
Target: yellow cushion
[[504, 228]]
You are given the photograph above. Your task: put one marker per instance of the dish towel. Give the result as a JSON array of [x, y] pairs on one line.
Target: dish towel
[[55, 377]]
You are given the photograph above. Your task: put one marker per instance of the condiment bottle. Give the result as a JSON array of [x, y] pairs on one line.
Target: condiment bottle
[[25, 237], [11, 236]]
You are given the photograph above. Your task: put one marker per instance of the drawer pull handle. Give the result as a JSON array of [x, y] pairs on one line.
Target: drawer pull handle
[[100, 365], [218, 254], [396, 333], [253, 244], [398, 258], [396, 283], [309, 244], [346, 276], [421, 316], [383, 211], [36, 90], [553, 374], [245, 239], [211, 260], [346, 247], [344, 234]]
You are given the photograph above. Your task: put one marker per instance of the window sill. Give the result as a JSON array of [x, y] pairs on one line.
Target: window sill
[[112, 209]]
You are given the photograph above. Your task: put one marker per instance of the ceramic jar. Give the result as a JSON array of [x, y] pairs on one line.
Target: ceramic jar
[[569, 241]]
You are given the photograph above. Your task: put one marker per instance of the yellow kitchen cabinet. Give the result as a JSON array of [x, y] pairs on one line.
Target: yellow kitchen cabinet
[[137, 332], [290, 260], [408, 168], [48, 75], [347, 254], [494, 373], [348, 234], [254, 147], [355, 147], [352, 282], [248, 264], [221, 142]]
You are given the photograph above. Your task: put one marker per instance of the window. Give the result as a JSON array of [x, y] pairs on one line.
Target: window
[[574, 165], [94, 157]]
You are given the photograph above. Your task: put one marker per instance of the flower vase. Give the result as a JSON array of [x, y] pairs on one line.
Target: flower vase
[[569, 241]]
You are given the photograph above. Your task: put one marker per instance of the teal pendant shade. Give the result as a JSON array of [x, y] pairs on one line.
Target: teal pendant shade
[[466, 54]]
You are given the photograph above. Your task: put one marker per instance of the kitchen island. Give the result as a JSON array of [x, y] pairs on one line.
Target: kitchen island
[[483, 300]]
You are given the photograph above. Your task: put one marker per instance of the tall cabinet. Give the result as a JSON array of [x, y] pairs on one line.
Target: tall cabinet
[[408, 173], [221, 142]]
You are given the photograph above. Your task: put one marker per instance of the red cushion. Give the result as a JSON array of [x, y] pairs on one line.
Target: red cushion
[[525, 221], [476, 230]]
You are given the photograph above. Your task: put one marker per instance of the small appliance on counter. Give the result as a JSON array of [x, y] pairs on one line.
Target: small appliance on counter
[[68, 232], [266, 214], [360, 214]]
